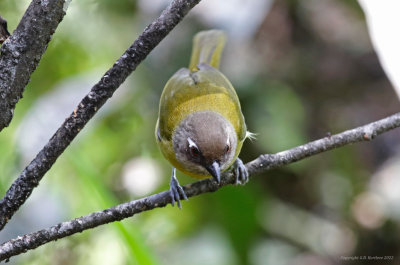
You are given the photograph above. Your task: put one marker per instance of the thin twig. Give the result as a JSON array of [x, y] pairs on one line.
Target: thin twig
[[259, 165], [22, 187], [363, 133], [21, 53]]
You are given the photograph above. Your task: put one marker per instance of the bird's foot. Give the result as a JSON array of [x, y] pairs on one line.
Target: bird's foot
[[241, 173], [176, 191]]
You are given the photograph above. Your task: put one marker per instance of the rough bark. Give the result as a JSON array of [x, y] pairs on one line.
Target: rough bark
[[22, 51]]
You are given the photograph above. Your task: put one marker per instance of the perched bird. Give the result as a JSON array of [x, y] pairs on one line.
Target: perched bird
[[200, 127]]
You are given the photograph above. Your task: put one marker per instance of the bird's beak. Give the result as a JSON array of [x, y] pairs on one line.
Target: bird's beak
[[215, 171]]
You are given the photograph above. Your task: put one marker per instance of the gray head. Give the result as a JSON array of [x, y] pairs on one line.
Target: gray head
[[205, 143]]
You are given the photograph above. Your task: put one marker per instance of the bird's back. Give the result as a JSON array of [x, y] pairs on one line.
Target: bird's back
[[206, 89]]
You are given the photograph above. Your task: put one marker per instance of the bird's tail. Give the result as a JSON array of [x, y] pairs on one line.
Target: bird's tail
[[207, 48]]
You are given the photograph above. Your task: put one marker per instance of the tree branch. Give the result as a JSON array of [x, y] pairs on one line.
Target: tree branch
[[21, 189], [261, 164], [363, 133], [22, 51]]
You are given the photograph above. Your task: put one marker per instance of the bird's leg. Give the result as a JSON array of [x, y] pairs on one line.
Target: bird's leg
[[241, 173], [175, 190]]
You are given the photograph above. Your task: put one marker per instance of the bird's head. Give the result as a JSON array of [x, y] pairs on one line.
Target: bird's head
[[205, 143]]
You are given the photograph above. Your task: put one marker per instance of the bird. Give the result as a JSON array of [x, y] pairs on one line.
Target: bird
[[200, 128]]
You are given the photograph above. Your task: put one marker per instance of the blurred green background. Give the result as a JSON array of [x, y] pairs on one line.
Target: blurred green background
[[302, 69]]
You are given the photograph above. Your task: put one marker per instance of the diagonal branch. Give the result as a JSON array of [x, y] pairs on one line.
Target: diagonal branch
[[22, 187], [21, 53], [259, 165]]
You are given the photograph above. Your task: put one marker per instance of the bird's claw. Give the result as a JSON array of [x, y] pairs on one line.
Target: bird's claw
[[241, 173], [176, 191]]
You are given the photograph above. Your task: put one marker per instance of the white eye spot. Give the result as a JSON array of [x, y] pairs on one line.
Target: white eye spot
[[194, 150], [227, 146], [191, 143]]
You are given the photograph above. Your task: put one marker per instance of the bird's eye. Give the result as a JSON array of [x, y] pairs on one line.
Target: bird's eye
[[194, 151], [227, 148]]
